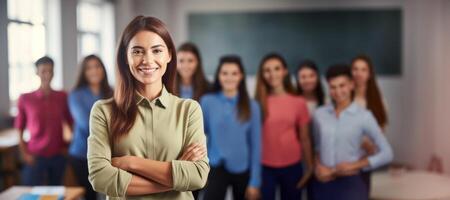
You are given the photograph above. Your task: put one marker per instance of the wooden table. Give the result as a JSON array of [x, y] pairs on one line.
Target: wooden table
[[9, 141], [9, 138], [71, 193], [410, 185]]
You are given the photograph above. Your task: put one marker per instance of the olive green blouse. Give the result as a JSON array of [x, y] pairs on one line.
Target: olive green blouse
[[163, 128]]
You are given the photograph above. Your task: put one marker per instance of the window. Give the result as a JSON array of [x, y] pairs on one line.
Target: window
[[89, 28], [26, 43], [95, 24]]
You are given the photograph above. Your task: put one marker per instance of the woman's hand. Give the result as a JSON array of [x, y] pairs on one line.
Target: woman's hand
[[368, 146], [305, 178], [123, 162], [252, 193], [323, 173], [347, 169], [194, 152], [28, 158]]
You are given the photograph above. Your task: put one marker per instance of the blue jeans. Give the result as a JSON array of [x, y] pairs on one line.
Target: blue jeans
[[45, 170], [285, 177]]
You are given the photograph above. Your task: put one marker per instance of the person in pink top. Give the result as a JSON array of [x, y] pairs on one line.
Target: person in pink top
[[43, 113], [286, 139]]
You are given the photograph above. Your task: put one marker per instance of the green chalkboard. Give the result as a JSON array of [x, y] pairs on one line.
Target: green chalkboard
[[325, 36]]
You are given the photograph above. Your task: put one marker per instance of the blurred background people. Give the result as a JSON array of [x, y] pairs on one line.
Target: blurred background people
[[309, 86], [286, 140], [191, 79], [92, 85], [43, 113], [339, 129], [233, 128], [368, 95]]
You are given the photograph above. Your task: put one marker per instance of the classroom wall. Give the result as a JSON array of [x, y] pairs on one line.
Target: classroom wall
[[442, 83], [426, 83], [416, 104], [125, 10], [4, 89]]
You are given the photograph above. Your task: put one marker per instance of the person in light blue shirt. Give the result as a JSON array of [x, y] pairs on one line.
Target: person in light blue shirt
[[91, 86], [339, 130], [233, 128]]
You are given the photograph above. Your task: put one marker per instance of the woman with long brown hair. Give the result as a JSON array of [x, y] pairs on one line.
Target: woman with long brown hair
[[368, 95], [367, 92], [286, 140], [191, 79], [91, 86], [233, 127], [145, 141], [309, 85]]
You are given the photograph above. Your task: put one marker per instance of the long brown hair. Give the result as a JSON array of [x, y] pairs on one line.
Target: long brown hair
[[105, 90], [124, 108], [200, 84], [373, 94], [263, 88], [243, 106]]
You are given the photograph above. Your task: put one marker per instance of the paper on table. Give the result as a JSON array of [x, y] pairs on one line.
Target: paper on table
[[48, 190]]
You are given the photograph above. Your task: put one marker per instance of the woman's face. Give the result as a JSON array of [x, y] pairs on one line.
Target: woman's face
[[274, 72], [230, 76], [94, 72], [187, 64], [307, 79], [360, 72], [147, 56]]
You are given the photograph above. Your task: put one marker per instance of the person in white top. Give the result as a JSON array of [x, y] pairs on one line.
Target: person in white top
[[368, 95], [309, 85]]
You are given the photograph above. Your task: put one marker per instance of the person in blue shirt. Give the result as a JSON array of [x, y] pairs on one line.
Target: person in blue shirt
[[91, 86], [339, 129], [233, 128], [191, 79]]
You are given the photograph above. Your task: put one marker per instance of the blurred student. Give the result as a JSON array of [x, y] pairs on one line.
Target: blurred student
[[146, 143], [286, 139], [233, 126], [43, 113], [339, 129], [91, 86], [191, 79], [310, 87], [368, 95], [367, 92], [191, 82]]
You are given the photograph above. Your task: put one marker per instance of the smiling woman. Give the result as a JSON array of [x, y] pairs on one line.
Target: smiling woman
[[145, 142], [285, 131], [233, 126]]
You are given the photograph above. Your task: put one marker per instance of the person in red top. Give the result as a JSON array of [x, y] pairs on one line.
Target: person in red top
[[42, 113], [285, 131]]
